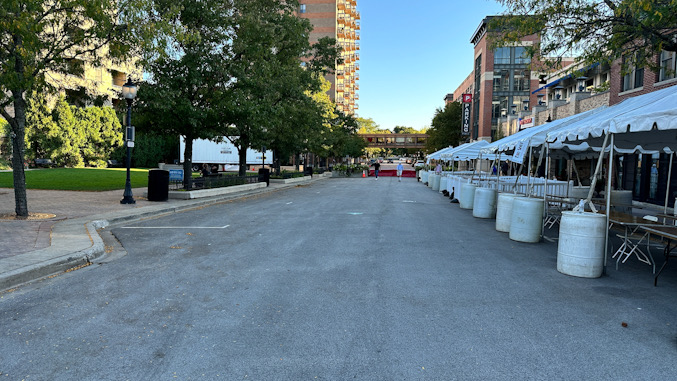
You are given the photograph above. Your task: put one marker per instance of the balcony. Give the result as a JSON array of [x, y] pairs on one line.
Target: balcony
[[356, 107], [341, 6], [357, 56], [356, 96], [357, 25], [357, 86], [341, 19], [341, 33], [357, 15], [340, 74], [356, 35], [357, 46]]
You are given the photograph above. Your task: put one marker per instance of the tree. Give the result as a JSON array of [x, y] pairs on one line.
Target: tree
[[405, 130], [42, 36], [187, 68], [274, 70], [71, 136], [446, 127], [594, 31]]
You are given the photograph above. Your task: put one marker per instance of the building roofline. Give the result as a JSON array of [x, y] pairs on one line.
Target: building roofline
[[481, 30]]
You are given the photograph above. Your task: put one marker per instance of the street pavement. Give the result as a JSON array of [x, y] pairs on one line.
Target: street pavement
[[32, 249], [338, 279]]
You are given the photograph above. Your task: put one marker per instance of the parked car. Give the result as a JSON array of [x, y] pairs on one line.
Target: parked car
[[419, 163]]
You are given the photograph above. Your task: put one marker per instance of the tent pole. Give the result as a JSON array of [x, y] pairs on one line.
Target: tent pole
[[545, 186], [498, 173], [608, 197], [667, 189]]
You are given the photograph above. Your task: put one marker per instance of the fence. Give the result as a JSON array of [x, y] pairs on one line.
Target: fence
[[522, 185], [217, 181]]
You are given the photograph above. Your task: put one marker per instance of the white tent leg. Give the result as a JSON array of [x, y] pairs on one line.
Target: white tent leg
[[608, 198]]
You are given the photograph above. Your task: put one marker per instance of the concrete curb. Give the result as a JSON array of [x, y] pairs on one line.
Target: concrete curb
[[76, 242]]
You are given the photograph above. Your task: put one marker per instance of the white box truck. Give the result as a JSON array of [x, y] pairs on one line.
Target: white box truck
[[223, 154]]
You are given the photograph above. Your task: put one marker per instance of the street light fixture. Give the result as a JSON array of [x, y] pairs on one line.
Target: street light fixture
[[129, 93], [540, 99], [558, 91], [581, 83], [525, 104]]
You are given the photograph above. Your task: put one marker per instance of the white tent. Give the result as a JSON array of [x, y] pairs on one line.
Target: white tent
[[436, 155], [648, 121], [467, 149]]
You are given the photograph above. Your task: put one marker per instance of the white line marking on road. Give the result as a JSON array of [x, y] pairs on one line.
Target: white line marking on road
[[409, 201], [175, 227], [290, 202], [355, 213]]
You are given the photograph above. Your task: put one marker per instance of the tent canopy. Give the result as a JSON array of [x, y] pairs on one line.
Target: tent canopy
[[535, 136], [647, 122], [436, 155]]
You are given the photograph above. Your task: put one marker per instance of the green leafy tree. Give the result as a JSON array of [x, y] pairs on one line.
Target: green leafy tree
[[39, 37], [592, 30], [271, 88], [187, 68], [446, 127], [405, 130], [103, 133]]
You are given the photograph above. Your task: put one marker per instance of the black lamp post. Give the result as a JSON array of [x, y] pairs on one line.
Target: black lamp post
[[540, 99], [581, 83], [525, 104], [129, 93]]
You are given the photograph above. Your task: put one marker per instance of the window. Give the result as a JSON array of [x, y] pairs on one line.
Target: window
[[634, 77], [302, 8], [521, 56], [502, 56], [522, 80], [667, 62], [501, 80]]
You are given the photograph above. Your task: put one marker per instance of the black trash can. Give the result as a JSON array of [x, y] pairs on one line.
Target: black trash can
[[308, 171], [264, 175], [158, 185]]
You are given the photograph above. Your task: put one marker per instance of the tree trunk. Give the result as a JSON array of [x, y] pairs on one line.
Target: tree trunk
[[188, 163], [18, 124], [242, 155]]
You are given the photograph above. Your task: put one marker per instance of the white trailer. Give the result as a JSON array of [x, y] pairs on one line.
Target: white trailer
[[224, 154]]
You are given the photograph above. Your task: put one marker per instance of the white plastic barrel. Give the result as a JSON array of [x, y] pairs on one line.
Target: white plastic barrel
[[580, 251], [526, 219], [444, 182], [431, 179], [467, 196], [424, 176], [622, 198], [436, 182], [579, 192], [484, 205], [504, 211]]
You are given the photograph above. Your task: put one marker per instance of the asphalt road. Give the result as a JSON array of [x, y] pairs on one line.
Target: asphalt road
[[344, 279]]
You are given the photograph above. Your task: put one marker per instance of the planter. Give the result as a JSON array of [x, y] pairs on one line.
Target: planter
[[444, 183], [580, 250], [424, 176]]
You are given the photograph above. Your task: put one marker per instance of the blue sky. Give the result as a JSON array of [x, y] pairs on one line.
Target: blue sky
[[412, 53]]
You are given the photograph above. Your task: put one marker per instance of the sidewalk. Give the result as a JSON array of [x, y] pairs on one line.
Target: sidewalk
[[32, 249]]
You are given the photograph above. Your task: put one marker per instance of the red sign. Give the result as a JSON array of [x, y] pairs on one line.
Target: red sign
[[467, 98]]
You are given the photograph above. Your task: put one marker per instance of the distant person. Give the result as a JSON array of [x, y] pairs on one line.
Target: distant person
[[205, 170], [438, 169], [505, 168], [377, 166], [494, 170], [400, 168]]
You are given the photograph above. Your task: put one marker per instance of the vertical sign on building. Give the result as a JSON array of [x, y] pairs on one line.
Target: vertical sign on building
[[467, 101]]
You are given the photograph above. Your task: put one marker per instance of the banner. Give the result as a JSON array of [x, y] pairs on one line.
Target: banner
[[520, 150], [465, 114]]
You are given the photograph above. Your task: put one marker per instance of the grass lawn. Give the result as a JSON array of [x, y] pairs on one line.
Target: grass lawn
[[80, 179]]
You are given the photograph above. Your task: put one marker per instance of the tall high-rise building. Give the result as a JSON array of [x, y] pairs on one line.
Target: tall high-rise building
[[338, 19]]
